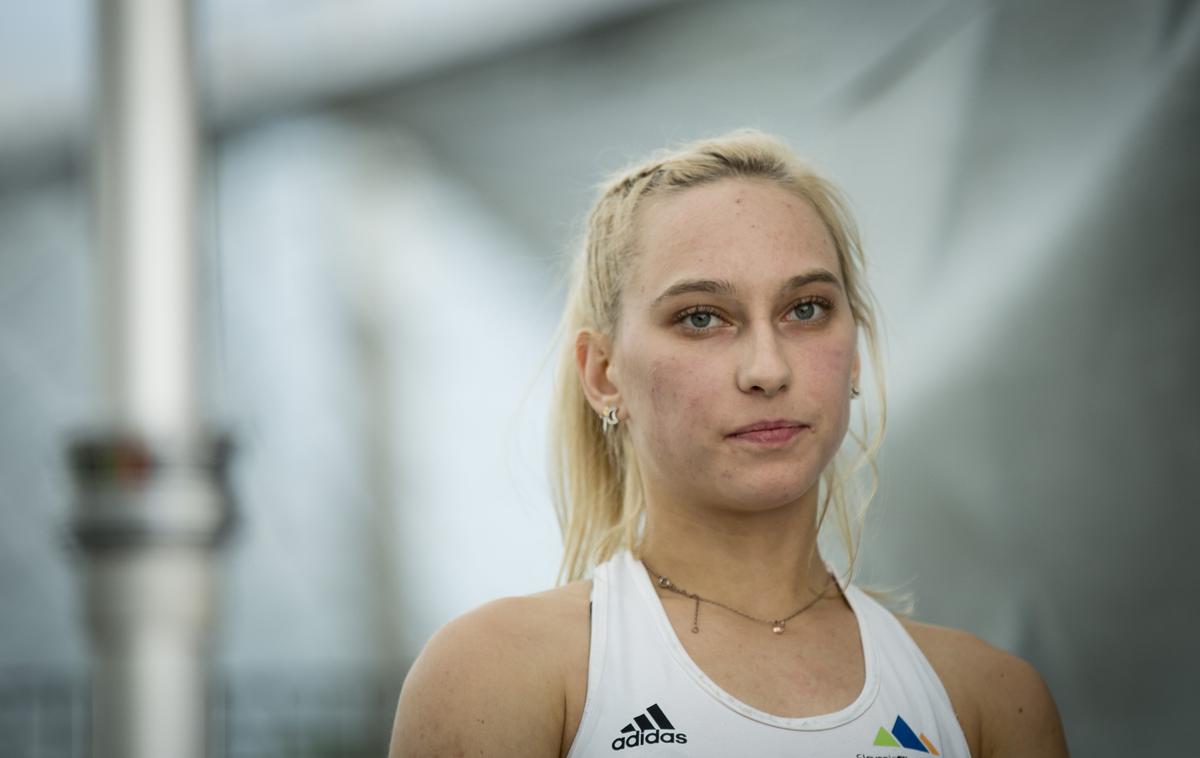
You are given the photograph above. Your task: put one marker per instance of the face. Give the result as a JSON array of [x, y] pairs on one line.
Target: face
[[735, 313]]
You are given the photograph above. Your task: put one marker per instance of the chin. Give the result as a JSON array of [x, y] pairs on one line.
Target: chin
[[766, 494]]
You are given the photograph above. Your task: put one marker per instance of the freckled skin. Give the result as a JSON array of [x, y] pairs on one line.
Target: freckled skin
[[684, 393]]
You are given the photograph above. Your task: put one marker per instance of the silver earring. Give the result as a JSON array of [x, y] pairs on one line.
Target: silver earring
[[609, 419], [854, 392]]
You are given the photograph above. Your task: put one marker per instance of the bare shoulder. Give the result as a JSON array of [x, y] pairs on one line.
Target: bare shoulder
[[1002, 702], [495, 681]]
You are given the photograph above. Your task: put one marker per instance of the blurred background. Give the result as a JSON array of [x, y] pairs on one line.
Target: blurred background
[[389, 193]]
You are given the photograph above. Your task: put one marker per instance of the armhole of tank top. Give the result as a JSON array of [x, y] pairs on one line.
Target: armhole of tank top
[[597, 642]]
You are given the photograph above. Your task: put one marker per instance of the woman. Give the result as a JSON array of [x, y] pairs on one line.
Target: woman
[[714, 319]]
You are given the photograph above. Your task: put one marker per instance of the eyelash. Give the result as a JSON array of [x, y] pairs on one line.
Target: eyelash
[[681, 319]]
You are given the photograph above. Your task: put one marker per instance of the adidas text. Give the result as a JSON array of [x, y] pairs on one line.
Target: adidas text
[[648, 738]]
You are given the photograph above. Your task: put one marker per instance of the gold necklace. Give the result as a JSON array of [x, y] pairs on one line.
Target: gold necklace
[[777, 625]]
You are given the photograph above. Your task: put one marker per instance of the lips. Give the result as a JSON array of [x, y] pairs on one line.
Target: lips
[[767, 425]]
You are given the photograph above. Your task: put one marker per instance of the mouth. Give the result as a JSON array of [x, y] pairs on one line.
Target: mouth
[[769, 432]]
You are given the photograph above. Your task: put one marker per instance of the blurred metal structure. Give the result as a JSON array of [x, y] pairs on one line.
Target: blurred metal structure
[[316, 712], [152, 504]]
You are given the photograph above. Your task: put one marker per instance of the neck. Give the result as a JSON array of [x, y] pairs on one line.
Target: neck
[[765, 563]]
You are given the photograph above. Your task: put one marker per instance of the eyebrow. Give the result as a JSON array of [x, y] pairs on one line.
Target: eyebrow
[[725, 287]]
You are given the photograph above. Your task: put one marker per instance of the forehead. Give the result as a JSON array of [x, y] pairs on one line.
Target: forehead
[[743, 230]]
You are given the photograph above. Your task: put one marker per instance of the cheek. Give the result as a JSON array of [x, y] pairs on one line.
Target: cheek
[[672, 389], [680, 393], [674, 417], [827, 382], [828, 366]]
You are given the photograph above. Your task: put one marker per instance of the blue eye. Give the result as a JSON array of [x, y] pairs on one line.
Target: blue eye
[[697, 319], [805, 309]]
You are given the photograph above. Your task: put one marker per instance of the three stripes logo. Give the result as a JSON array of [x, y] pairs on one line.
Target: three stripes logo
[[645, 731], [902, 735]]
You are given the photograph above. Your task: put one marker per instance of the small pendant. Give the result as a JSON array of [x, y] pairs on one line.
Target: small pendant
[[778, 628]]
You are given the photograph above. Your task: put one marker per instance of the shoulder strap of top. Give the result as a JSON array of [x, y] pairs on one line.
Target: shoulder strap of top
[[898, 647], [599, 610]]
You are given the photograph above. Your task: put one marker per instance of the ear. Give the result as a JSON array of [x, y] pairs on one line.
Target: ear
[[594, 359], [855, 371]]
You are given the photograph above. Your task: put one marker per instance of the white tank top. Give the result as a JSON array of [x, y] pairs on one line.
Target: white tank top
[[646, 697]]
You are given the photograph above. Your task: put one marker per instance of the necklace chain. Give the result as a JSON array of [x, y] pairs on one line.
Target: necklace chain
[[777, 625]]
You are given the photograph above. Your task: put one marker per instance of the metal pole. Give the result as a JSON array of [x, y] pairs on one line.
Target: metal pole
[[152, 504]]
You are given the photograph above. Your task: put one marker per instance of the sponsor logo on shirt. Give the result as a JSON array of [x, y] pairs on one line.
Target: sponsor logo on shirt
[[901, 735], [649, 728]]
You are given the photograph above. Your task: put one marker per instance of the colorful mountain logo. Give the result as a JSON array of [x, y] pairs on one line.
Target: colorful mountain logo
[[902, 735]]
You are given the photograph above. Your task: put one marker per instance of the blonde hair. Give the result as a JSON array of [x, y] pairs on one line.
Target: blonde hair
[[595, 478]]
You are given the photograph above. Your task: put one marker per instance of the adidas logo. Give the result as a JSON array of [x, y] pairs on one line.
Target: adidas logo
[[643, 731]]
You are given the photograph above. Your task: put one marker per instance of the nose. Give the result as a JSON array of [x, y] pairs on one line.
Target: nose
[[764, 366]]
